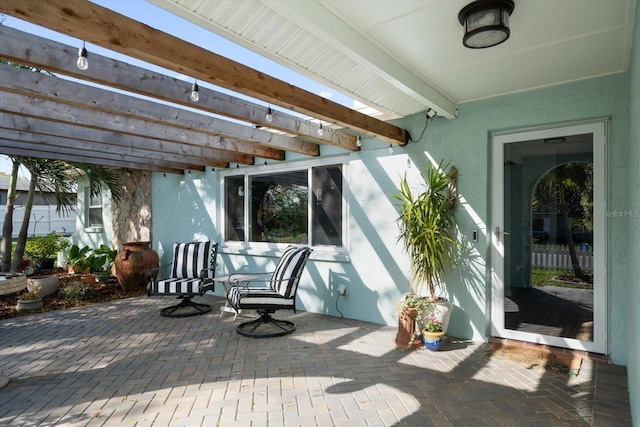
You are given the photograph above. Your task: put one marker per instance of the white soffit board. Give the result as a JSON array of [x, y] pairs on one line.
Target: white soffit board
[[257, 27]]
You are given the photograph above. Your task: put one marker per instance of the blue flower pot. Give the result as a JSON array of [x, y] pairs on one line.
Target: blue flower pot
[[433, 340]]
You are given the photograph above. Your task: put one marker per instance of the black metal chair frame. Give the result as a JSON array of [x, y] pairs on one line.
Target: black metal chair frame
[[242, 284]]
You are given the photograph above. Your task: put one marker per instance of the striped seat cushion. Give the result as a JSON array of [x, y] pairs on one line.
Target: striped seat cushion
[[179, 286], [189, 259], [258, 297]]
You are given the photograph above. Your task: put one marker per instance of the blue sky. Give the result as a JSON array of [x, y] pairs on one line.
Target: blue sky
[[157, 18]]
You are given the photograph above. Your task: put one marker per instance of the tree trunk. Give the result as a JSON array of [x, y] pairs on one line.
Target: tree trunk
[[16, 263], [572, 247], [7, 227]]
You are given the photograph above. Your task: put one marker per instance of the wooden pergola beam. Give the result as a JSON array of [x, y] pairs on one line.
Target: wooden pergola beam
[[18, 46], [112, 141], [103, 27], [11, 148], [183, 142], [149, 118], [64, 145]]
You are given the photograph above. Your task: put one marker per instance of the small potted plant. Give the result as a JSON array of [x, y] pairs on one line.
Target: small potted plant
[[412, 307], [433, 336], [29, 300]]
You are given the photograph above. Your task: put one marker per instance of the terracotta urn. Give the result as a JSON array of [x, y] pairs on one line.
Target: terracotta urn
[[133, 263]]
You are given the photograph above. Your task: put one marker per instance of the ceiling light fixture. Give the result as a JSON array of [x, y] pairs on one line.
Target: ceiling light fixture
[[485, 22], [269, 116], [195, 96], [83, 62]]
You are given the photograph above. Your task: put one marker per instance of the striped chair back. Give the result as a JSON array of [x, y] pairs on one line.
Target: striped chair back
[[287, 274], [189, 259]]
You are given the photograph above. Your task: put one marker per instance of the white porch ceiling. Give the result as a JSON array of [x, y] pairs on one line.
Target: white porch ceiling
[[404, 56]]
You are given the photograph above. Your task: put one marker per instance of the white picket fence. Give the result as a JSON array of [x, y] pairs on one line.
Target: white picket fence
[[44, 220], [556, 257]]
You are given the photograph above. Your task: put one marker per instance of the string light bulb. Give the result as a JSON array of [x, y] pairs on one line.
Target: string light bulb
[[269, 116], [83, 62], [390, 148], [265, 164], [320, 130], [195, 96], [359, 141]]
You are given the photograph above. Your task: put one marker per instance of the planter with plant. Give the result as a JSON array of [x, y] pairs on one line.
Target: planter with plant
[[29, 300], [412, 307], [96, 262], [427, 231], [433, 336], [42, 250]]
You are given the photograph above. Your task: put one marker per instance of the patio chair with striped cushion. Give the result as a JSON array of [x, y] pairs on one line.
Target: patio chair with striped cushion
[[192, 273], [277, 292]]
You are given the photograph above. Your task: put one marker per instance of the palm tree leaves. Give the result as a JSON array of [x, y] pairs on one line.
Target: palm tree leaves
[[427, 228]]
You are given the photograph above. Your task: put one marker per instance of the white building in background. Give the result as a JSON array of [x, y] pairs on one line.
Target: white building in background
[[44, 218]]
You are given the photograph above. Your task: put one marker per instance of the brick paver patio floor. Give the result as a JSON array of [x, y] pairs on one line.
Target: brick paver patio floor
[[122, 364]]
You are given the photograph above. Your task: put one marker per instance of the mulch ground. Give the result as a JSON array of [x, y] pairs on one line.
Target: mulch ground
[[100, 292]]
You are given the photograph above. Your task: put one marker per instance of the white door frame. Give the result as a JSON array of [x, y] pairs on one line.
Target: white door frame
[[498, 140]]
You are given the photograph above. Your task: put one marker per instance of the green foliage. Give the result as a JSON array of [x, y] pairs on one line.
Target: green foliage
[[97, 260], [73, 292], [41, 247], [283, 209], [432, 324], [427, 228], [422, 304]]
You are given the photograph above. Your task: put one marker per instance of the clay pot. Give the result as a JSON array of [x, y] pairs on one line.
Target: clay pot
[[407, 337], [133, 263]]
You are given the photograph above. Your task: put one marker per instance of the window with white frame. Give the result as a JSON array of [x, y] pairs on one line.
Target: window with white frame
[[297, 205], [94, 208]]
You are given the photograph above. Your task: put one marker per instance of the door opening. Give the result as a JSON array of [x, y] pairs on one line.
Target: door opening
[[548, 244]]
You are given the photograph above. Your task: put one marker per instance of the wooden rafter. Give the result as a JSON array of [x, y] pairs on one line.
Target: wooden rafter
[[103, 27], [68, 146], [110, 141], [28, 49], [65, 101], [132, 112], [11, 148]]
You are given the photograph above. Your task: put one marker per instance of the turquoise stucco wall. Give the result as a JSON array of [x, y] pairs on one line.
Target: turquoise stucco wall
[[633, 295], [465, 141], [375, 270]]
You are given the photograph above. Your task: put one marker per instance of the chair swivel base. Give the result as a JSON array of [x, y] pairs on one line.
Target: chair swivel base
[[186, 308], [265, 326]]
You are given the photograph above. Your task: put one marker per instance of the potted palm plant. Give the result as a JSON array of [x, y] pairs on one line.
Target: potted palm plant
[[427, 225]]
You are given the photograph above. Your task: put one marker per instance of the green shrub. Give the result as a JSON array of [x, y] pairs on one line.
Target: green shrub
[[42, 247], [73, 292]]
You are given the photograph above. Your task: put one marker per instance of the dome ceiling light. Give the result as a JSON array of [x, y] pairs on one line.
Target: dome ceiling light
[[485, 22]]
